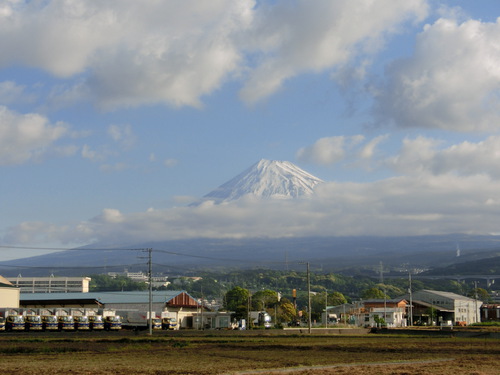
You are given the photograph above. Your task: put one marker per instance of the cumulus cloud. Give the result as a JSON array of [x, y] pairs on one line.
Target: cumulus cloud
[[451, 82], [26, 137], [130, 53], [424, 155], [368, 150], [295, 37], [331, 150], [125, 53]]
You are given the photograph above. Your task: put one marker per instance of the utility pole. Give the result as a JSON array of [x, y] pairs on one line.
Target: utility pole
[[385, 295], [475, 302], [411, 299], [150, 277], [326, 309], [309, 297]]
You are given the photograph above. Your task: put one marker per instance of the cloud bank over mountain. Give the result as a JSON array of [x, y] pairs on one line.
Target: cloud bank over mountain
[[421, 202]]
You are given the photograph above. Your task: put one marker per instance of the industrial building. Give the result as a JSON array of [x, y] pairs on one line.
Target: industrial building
[[52, 284], [427, 307], [436, 307]]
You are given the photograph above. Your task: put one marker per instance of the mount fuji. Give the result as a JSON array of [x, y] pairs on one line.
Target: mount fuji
[[267, 179]]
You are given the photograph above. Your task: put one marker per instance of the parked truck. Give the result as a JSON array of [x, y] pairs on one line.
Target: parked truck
[[66, 323], [14, 323], [137, 319], [96, 322], [82, 322], [50, 323], [169, 320], [260, 319], [33, 323], [156, 323], [112, 323], [14, 319]]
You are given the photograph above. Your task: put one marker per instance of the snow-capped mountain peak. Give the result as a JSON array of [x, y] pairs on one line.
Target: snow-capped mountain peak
[[267, 179]]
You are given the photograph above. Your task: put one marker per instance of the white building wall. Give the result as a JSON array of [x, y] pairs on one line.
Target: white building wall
[[9, 297], [51, 284], [465, 309]]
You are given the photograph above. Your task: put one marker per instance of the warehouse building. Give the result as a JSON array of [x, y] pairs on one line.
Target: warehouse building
[[437, 307], [52, 284]]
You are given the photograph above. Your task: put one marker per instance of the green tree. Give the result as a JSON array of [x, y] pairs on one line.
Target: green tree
[[374, 293], [264, 299], [336, 298], [480, 293], [286, 312], [318, 305], [105, 283], [236, 300]]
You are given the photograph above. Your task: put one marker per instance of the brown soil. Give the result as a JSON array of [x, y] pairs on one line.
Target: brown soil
[[212, 354]]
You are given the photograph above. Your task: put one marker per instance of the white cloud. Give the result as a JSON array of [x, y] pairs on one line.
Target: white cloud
[[125, 53], [26, 137], [91, 154], [131, 53], [331, 150], [10, 92], [324, 151], [451, 82], [290, 38], [122, 134], [368, 150], [423, 155]]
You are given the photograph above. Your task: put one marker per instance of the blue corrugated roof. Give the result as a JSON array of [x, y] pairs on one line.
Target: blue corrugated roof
[[106, 297]]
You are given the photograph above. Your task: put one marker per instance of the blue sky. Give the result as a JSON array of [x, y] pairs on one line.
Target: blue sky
[[115, 114]]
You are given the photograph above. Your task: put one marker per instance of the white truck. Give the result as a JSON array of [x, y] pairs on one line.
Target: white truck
[[137, 319]]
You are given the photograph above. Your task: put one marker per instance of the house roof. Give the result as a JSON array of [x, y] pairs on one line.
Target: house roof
[[449, 295], [4, 283], [103, 297], [381, 300], [430, 305]]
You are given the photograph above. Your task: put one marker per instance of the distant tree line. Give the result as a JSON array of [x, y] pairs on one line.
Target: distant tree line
[[105, 283], [271, 290]]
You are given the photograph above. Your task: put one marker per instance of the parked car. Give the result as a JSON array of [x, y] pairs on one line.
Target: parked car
[[2, 324]]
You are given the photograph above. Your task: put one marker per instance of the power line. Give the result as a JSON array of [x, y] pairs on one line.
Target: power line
[[69, 267], [66, 248]]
